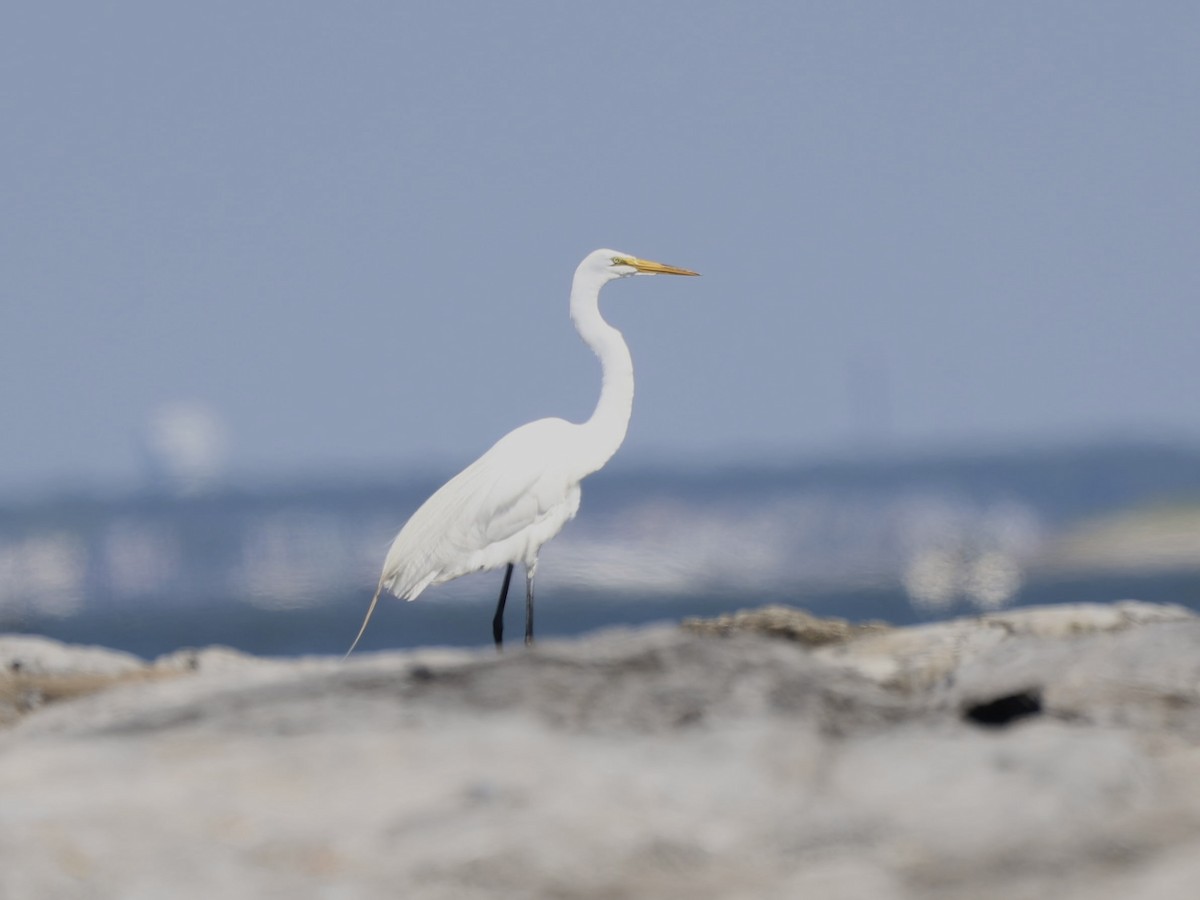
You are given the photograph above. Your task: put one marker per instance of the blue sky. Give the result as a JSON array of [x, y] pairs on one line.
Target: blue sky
[[349, 229]]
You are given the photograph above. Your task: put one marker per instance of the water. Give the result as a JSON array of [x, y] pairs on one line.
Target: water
[[328, 629], [289, 571]]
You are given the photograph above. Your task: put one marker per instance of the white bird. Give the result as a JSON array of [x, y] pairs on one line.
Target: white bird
[[502, 508]]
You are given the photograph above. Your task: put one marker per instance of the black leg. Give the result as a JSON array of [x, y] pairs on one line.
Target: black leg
[[498, 619], [528, 607]]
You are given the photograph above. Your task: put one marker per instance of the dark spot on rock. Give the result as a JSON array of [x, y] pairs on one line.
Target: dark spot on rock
[[421, 673], [1005, 710]]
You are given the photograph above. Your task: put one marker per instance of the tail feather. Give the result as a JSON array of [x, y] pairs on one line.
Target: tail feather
[[370, 612]]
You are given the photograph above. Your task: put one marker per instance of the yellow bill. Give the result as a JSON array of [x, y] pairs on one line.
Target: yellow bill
[[656, 268]]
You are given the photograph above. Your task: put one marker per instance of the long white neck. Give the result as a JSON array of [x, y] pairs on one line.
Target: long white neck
[[603, 433]]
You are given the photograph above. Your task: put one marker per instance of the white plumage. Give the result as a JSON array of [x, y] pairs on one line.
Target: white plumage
[[502, 508]]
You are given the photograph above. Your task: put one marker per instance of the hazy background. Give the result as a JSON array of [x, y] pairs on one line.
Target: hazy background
[[342, 234]]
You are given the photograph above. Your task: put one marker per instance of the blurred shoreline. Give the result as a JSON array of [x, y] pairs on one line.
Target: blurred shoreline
[[286, 570]]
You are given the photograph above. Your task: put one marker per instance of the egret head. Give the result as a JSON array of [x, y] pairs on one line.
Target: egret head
[[611, 264]]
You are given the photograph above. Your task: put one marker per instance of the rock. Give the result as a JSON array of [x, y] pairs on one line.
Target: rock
[[922, 656], [785, 622], [1038, 753], [35, 655], [210, 659], [36, 670], [1145, 679]]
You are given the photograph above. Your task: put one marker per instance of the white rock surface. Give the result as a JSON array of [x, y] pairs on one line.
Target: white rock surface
[[925, 654], [635, 764], [36, 655]]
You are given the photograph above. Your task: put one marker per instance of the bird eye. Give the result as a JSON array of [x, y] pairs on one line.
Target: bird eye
[[620, 261]]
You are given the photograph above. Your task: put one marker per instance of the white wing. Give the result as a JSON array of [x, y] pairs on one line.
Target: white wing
[[499, 509]]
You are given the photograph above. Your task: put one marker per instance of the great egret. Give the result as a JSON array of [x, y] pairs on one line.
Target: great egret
[[502, 508]]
